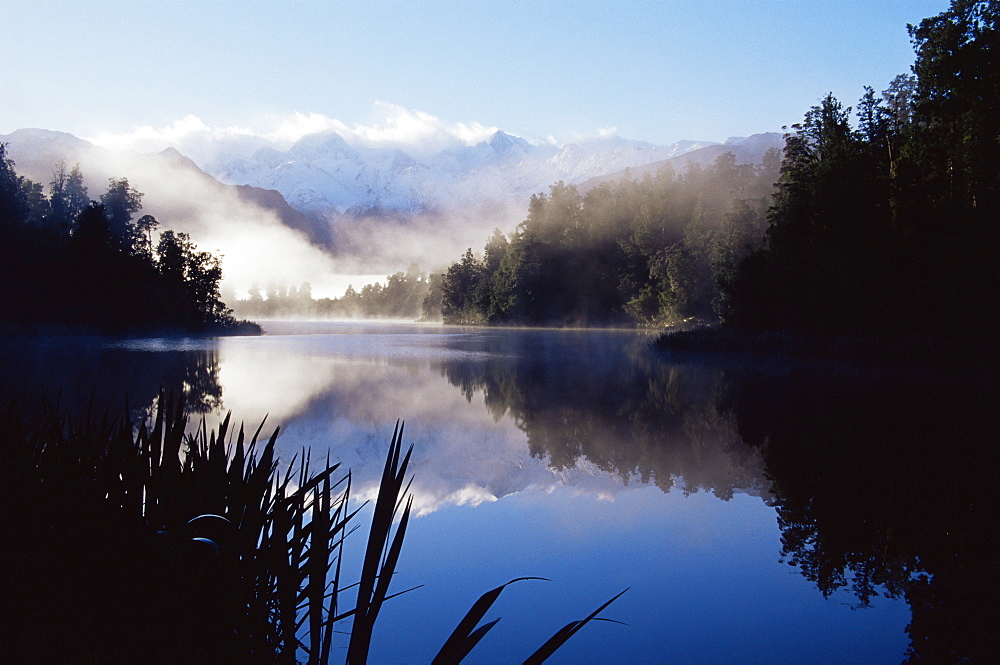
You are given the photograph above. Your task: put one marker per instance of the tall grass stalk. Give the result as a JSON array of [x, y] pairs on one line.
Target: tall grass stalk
[[152, 544]]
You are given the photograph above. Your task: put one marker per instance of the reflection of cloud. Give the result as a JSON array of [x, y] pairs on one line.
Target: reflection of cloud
[[340, 394], [259, 381], [347, 405]]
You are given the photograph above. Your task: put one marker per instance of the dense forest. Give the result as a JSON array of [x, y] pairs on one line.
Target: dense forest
[[646, 252], [884, 225], [68, 261], [891, 224]]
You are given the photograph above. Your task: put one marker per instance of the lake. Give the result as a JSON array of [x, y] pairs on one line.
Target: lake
[[757, 511]]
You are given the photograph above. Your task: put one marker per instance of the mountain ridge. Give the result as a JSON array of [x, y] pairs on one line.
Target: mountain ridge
[[322, 175], [746, 150], [369, 209]]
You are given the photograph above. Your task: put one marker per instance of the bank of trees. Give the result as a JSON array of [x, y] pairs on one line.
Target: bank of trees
[[67, 260], [400, 297], [883, 220], [890, 223], [651, 251]]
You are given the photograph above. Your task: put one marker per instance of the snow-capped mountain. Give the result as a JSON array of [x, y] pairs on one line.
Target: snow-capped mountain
[[322, 175], [368, 209]]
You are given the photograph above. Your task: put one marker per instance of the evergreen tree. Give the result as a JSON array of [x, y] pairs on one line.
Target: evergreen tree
[[67, 198], [14, 206], [891, 228], [120, 202]]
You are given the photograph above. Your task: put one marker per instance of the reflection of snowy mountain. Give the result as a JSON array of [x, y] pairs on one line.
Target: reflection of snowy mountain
[[322, 174]]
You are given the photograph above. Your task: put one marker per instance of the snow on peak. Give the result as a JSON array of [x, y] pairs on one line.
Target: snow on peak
[[503, 143]]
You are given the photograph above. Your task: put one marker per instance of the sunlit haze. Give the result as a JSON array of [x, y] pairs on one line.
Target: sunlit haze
[[219, 80]]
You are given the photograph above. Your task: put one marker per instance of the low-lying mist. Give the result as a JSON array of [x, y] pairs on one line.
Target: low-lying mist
[[261, 240], [384, 244]]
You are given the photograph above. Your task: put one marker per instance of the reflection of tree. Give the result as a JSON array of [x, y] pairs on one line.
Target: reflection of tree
[[585, 396], [883, 486], [85, 373], [200, 386], [888, 487]]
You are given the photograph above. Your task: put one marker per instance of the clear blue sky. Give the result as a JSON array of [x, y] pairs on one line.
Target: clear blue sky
[[659, 71]]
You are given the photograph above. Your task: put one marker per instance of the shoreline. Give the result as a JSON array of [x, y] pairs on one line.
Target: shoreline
[[872, 351]]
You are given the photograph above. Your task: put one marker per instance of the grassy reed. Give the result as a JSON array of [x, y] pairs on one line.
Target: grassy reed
[[152, 544]]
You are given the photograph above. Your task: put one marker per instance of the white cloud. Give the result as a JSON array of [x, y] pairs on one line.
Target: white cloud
[[396, 125], [187, 130], [388, 125], [286, 130]]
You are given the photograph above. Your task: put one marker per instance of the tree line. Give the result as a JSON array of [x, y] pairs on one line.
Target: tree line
[[401, 297], [633, 252], [883, 225], [890, 223], [67, 260]]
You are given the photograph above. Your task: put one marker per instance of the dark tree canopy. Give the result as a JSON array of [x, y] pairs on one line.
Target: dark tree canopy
[[892, 226], [67, 198], [68, 261], [648, 252]]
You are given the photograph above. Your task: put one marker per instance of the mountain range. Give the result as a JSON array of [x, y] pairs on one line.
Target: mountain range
[[346, 199], [324, 176]]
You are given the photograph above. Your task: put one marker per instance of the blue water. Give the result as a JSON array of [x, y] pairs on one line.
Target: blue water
[[570, 455]]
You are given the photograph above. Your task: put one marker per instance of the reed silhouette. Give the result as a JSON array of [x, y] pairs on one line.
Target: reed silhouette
[[156, 544]]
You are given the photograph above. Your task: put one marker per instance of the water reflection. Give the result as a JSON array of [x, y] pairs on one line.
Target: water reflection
[[888, 486], [603, 399], [883, 486], [105, 373], [596, 410]]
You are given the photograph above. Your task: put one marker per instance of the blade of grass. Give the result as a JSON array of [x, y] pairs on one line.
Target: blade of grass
[[566, 632], [375, 570], [458, 645]]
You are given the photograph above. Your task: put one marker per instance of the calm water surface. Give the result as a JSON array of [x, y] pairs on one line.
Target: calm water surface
[[757, 514]]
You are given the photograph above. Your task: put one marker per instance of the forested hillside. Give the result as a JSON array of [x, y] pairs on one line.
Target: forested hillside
[[890, 223], [88, 265], [401, 297], [646, 252], [881, 223]]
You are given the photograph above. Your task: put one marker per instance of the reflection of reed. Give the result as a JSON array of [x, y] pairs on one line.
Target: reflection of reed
[[160, 546]]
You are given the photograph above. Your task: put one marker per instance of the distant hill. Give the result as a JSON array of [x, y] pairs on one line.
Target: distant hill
[[262, 239], [372, 210], [36, 152], [749, 150], [324, 176]]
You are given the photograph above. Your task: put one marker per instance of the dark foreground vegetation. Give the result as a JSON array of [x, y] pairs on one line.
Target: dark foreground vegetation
[[891, 226], [150, 545], [67, 262], [883, 228]]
